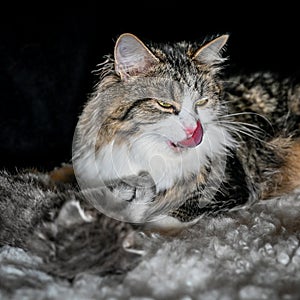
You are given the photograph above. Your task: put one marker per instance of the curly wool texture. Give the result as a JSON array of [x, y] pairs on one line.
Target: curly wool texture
[[77, 253]]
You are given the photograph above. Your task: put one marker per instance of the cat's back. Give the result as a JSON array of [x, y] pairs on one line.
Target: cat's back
[[267, 99]]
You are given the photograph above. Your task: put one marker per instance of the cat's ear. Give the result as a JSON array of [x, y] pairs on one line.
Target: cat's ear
[[132, 57], [210, 53]]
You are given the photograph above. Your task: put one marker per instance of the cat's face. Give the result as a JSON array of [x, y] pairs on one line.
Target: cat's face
[[168, 90], [171, 114]]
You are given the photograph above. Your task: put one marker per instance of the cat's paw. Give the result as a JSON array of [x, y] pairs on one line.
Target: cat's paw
[[134, 194], [135, 188], [144, 187]]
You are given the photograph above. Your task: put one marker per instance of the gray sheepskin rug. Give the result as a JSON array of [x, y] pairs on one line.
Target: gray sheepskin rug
[[55, 246]]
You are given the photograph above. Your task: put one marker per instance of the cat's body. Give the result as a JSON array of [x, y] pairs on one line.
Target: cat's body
[[165, 139]]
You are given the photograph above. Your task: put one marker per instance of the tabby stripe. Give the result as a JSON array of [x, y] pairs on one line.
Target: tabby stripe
[[127, 115]]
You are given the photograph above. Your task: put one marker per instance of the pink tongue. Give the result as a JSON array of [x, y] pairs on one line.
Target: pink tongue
[[195, 139]]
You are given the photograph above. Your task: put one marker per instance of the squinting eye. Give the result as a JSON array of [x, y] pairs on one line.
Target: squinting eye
[[201, 102], [164, 104]]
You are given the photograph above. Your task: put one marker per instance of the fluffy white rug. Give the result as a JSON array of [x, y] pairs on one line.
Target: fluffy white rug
[[252, 253]]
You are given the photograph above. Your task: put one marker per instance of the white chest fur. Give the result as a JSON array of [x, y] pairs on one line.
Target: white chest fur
[[148, 153]]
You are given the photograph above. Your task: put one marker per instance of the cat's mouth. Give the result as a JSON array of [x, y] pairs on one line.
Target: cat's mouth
[[192, 141]]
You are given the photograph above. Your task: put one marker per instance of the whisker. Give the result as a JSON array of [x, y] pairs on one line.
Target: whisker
[[254, 128], [248, 113], [239, 131], [242, 123]]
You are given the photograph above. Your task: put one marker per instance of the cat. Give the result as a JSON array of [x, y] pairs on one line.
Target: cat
[[165, 138]]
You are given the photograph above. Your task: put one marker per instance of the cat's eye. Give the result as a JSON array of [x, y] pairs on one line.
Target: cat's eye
[[164, 104], [201, 102]]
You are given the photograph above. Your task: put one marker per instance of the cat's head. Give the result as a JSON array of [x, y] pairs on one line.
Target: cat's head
[[168, 90]]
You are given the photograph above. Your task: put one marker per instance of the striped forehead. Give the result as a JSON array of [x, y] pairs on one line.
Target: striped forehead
[[183, 95], [167, 89], [179, 66]]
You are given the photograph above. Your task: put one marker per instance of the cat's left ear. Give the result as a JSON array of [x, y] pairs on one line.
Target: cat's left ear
[[210, 53], [132, 57]]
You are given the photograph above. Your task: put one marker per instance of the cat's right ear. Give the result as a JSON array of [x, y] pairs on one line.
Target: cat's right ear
[[132, 57], [210, 52]]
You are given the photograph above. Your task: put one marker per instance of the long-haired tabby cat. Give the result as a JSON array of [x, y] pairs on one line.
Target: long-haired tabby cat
[[165, 139]]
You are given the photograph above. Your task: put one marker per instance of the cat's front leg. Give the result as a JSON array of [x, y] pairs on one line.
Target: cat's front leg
[[133, 196]]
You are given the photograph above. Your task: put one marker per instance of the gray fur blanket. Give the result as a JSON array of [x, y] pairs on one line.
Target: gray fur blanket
[[55, 246]]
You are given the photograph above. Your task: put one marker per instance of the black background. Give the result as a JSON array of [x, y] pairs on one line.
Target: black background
[[48, 53]]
